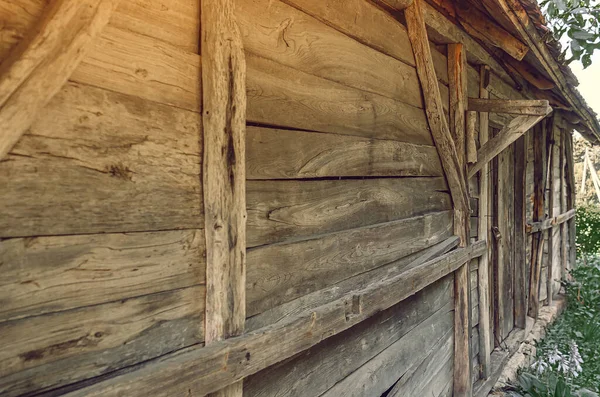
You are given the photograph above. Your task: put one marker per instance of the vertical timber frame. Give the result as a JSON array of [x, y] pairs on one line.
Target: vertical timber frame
[[224, 174], [483, 280], [520, 254], [550, 182], [570, 180], [454, 172]]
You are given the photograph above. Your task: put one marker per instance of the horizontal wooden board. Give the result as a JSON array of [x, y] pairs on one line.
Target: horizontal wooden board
[[279, 273], [284, 210], [97, 161], [401, 358], [53, 350], [321, 367], [48, 274], [288, 154], [284, 34], [284, 97]]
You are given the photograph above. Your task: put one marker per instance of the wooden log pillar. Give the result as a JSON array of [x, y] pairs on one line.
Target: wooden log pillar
[[570, 171], [485, 339], [551, 181], [457, 84], [520, 254], [453, 170], [563, 205], [224, 175]]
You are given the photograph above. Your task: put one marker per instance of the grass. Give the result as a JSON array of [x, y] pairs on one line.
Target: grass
[[568, 358]]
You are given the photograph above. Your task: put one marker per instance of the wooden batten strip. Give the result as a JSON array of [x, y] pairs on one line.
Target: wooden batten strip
[[532, 107], [224, 174], [549, 223], [517, 127], [483, 227], [43, 62], [434, 109], [207, 369]]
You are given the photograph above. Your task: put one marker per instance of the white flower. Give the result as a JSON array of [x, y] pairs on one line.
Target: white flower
[[554, 355], [539, 366]]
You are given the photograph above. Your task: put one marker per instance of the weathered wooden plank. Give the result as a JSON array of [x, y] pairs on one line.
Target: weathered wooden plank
[[284, 210], [224, 174], [471, 137], [520, 242], [434, 110], [483, 228], [571, 194], [282, 272], [401, 359], [318, 369], [528, 107], [282, 96], [457, 85], [517, 127], [549, 223], [287, 154], [90, 341], [284, 34], [138, 171], [49, 274], [202, 370], [43, 61]]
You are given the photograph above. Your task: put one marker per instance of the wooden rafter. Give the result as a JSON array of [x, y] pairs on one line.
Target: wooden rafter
[[517, 127], [44, 60], [207, 369], [396, 5], [224, 174], [511, 106]]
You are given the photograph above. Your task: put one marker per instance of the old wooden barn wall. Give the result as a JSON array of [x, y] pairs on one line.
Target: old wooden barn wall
[[102, 244]]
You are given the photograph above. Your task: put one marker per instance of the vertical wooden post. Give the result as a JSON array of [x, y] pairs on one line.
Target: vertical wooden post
[[224, 124], [457, 68], [484, 213], [520, 254], [570, 171], [563, 204], [551, 181]]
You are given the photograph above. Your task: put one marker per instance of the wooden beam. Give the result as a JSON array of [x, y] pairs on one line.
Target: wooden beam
[[510, 106], [396, 5], [434, 110], [44, 60], [563, 204], [457, 84], [206, 369], [529, 73], [517, 127], [520, 254], [571, 195], [471, 137], [548, 223], [595, 179], [550, 181], [224, 174], [483, 227]]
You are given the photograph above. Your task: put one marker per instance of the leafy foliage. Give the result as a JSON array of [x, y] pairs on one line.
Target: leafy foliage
[[588, 231], [577, 20]]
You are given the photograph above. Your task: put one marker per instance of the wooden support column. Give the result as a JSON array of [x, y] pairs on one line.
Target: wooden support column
[[457, 84], [550, 181], [520, 254], [570, 171], [453, 171], [563, 205], [224, 175], [484, 214]]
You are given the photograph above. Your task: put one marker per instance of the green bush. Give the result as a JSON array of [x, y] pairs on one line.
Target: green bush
[[588, 231]]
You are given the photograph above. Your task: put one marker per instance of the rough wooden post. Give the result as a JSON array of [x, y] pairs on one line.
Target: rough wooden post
[[570, 197], [484, 213], [224, 123], [550, 180], [563, 204], [520, 254], [457, 68]]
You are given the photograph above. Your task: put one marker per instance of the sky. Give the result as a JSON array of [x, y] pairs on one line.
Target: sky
[[589, 81]]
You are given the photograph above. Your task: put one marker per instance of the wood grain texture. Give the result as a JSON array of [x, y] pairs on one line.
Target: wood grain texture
[[51, 274], [281, 272], [318, 369], [433, 106], [282, 96], [457, 85], [530, 107], [90, 341], [284, 210], [287, 154], [224, 174], [520, 242], [472, 138], [119, 164], [43, 61], [201, 370]]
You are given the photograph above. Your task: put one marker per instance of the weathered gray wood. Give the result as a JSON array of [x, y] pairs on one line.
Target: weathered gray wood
[[520, 242], [549, 223], [43, 61], [287, 154], [63, 179], [282, 272], [43, 275], [281, 96], [457, 86], [202, 370], [318, 369], [485, 338], [45, 352], [417, 34], [224, 174], [284, 210], [471, 137], [517, 127], [530, 107], [400, 359], [570, 171]]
